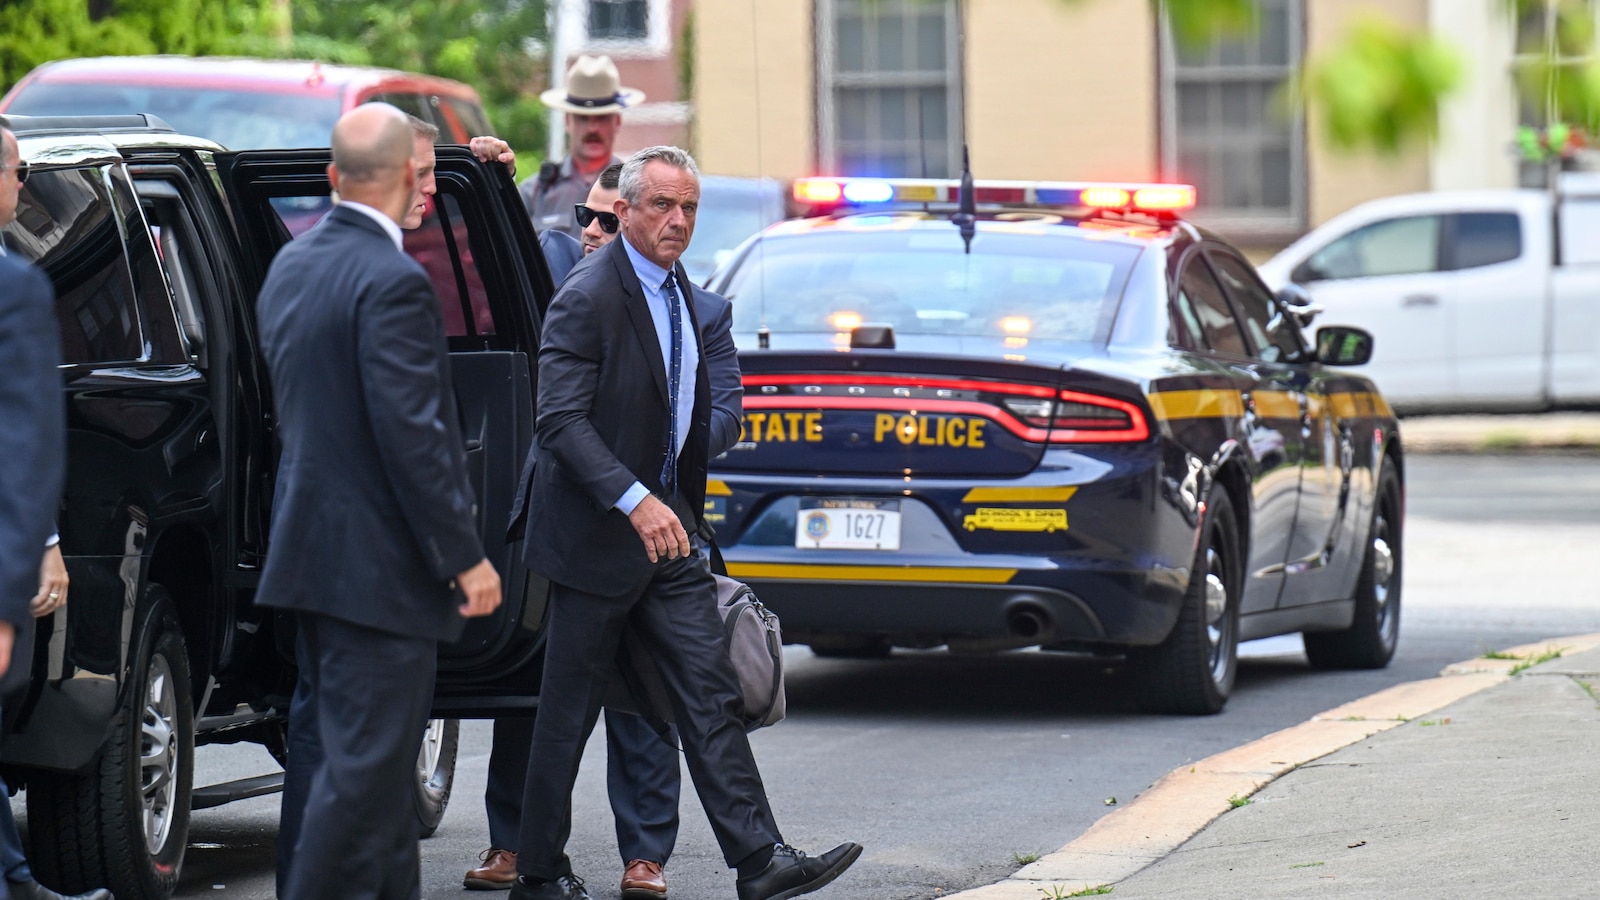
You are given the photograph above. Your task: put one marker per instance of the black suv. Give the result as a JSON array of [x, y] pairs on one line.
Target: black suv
[[157, 244]]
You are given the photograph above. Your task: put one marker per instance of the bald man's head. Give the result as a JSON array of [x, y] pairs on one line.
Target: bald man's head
[[370, 142], [372, 159]]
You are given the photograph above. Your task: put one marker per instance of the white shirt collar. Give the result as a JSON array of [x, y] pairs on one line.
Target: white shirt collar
[[388, 224]]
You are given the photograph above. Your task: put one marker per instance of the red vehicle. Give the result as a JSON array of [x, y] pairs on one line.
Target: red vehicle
[[242, 104]]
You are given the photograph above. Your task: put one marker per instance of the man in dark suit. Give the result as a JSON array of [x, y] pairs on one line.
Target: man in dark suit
[[33, 445], [617, 487], [374, 544], [643, 777]]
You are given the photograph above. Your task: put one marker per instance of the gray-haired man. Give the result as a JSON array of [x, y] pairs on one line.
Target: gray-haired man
[[620, 457]]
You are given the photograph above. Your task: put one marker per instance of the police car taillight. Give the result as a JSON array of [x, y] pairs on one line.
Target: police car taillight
[[823, 194], [1076, 417]]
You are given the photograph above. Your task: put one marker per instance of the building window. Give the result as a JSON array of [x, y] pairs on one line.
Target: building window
[[888, 89], [1545, 92], [1225, 129], [619, 20]]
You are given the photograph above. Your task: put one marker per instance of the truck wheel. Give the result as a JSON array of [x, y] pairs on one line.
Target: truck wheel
[[1370, 640], [123, 822], [436, 772], [1192, 671]]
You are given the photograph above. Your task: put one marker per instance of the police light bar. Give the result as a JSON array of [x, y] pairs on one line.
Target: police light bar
[[1132, 197]]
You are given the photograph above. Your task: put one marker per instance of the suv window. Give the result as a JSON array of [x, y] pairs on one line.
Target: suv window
[[1402, 246], [1198, 291], [66, 225], [1271, 331], [165, 345], [1483, 239]]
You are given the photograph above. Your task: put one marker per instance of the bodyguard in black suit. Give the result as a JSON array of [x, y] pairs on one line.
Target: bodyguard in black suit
[[373, 529], [617, 487]]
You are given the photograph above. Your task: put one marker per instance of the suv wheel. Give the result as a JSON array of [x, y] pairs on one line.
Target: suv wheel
[[123, 823], [436, 772]]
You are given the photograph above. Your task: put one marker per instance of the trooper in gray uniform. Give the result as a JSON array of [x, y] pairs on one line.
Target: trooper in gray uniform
[[593, 100]]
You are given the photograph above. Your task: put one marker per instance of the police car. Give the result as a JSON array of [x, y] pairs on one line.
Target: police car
[[1053, 415]]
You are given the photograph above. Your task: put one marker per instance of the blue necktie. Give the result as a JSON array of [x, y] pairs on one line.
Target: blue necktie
[[669, 468]]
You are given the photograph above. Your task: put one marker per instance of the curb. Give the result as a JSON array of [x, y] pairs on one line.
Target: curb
[[1189, 798]]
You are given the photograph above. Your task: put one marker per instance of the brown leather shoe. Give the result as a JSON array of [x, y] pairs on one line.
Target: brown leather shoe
[[643, 881], [498, 872]]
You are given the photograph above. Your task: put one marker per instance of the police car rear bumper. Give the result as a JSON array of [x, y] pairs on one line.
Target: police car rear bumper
[[1098, 609]]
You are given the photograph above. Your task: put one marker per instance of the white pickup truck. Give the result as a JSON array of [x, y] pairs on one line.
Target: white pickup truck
[[1476, 300]]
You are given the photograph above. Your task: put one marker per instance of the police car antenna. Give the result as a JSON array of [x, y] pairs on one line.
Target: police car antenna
[[966, 217]]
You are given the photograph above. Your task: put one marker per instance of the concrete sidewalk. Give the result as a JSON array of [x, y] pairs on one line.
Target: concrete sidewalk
[[1478, 783], [1541, 432]]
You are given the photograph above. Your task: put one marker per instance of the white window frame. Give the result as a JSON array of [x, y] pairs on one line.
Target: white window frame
[[1261, 222], [828, 80], [656, 42]]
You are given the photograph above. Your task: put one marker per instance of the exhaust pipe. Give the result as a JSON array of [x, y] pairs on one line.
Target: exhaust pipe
[[1029, 620]]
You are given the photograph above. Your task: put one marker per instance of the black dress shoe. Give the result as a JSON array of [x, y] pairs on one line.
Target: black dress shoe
[[567, 887], [792, 873]]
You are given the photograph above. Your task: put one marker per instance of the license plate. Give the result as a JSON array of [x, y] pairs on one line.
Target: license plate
[[846, 524]]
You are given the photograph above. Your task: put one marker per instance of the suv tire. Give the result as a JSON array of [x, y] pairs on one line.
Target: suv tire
[[123, 823]]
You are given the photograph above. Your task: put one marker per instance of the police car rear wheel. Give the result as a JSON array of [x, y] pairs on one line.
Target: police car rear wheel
[[1370, 640], [1192, 671]]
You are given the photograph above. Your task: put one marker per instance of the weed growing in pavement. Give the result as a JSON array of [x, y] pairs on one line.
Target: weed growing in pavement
[[1023, 859], [1237, 801], [1500, 654], [1429, 722], [1531, 661], [1309, 865], [1588, 688], [1059, 892]]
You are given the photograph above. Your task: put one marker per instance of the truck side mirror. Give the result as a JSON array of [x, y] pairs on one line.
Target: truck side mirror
[[1297, 302], [1341, 345]]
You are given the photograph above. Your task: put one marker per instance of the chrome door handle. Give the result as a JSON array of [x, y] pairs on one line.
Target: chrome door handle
[[1420, 300]]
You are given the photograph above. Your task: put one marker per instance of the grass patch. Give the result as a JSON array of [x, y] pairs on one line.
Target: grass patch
[[1426, 723], [1024, 859], [1504, 440], [1588, 688], [1531, 661], [1500, 654], [1060, 892], [1309, 865], [1237, 801]]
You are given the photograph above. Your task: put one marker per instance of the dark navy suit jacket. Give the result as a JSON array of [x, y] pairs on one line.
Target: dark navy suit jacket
[[602, 424], [373, 515], [32, 431]]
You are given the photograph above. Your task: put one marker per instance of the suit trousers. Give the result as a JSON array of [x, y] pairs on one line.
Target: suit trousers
[[349, 827], [643, 780], [675, 614]]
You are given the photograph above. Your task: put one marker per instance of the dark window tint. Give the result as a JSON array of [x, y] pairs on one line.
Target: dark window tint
[[1271, 332], [1403, 246], [415, 104], [1483, 239], [619, 20], [66, 225], [442, 246], [161, 331], [1200, 292]]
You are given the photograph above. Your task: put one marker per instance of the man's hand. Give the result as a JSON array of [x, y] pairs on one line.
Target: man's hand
[[481, 586], [7, 634], [659, 528], [491, 149], [52, 584]]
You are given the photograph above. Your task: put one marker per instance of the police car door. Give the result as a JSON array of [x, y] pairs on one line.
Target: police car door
[[478, 247], [1268, 426]]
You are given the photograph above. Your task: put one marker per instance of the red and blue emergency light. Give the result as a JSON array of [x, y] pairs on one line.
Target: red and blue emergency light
[[1128, 197]]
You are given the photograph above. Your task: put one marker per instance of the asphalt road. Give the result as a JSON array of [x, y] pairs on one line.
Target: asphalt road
[[949, 769]]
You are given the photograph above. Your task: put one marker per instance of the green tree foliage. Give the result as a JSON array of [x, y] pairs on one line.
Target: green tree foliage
[[38, 31], [1381, 86]]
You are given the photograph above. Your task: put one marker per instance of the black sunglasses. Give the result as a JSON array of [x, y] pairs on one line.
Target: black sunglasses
[[22, 175], [608, 221]]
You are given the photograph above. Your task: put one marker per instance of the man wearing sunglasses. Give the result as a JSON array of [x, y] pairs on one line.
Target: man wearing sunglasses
[[31, 442], [643, 778]]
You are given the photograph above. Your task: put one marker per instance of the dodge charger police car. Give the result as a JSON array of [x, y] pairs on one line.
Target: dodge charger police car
[[1085, 424]]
